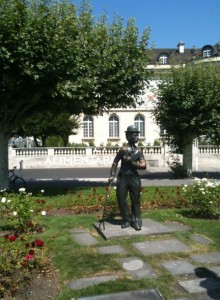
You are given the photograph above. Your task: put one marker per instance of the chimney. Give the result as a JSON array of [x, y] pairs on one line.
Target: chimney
[[181, 47]]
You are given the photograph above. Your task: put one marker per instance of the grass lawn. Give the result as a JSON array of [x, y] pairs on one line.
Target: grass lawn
[[81, 208]]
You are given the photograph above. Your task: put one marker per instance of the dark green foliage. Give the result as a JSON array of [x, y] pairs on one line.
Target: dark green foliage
[[55, 57], [189, 107]]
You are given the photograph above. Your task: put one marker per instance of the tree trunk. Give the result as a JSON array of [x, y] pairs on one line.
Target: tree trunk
[[188, 158], [4, 178], [43, 139], [65, 139]]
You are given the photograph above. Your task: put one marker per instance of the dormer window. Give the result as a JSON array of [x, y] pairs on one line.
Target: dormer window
[[207, 51], [163, 58]]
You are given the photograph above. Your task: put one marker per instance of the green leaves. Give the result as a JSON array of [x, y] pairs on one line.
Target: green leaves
[[188, 102], [45, 44], [55, 57]]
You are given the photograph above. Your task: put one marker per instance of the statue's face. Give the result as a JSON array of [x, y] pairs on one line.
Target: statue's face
[[132, 137]]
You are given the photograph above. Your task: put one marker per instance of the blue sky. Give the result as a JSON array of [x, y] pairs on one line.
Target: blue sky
[[195, 22]]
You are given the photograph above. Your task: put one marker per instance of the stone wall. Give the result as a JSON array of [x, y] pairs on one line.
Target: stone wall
[[49, 158]]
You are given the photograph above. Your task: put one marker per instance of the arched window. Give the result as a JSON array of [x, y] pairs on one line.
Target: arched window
[[113, 126], [163, 58], [88, 126], [139, 122], [207, 51]]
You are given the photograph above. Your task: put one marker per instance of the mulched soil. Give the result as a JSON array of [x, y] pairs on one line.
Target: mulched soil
[[42, 286]]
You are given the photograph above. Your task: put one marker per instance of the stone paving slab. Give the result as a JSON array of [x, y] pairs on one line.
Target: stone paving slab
[[113, 229], [179, 267], [85, 282], [216, 270], [177, 226], [84, 239], [116, 249], [151, 294], [208, 258], [201, 239], [200, 285], [136, 267], [162, 246]]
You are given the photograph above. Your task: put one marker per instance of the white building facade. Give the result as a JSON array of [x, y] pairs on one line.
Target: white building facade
[[109, 129]]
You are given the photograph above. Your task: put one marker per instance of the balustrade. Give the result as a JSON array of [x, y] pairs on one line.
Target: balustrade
[[31, 151], [208, 149], [105, 151], [66, 151], [64, 157], [70, 151], [152, 150]]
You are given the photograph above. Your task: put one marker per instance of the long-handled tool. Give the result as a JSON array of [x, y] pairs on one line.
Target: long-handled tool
[[106, 202]]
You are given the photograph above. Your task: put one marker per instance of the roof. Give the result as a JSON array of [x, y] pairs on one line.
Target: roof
[[180, 54]]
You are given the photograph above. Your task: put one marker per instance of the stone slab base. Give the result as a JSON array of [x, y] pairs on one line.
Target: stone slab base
[[110, 229], [152, 294]]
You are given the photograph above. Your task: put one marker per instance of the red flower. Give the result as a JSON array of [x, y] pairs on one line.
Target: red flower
[[27, 245], [28, 257], [30, 224], [31, 251], [107, 188], [39, 243], [12, 238]]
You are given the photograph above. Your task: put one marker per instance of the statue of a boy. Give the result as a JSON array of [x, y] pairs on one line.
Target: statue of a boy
[[128, 180]]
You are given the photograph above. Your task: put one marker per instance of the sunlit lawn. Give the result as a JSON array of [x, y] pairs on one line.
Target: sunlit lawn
[[74, 261]]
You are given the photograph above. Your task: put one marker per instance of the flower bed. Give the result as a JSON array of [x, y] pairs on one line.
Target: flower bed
[[22, 252]]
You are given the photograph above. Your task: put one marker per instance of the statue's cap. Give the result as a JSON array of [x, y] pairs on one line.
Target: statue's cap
[[132, 128]]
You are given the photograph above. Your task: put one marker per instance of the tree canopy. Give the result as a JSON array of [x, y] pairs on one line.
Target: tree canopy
[[189, 106], [47, 124], [54, 55]]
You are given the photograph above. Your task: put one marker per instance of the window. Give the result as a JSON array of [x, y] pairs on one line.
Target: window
[[140, 124], [113, 126], [163, 58], [88, 127], [207, 51]]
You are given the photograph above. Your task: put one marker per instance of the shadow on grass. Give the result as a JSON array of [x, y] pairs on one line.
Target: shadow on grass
[[211, 282], [169, 175], [189, 213], [61, 187]]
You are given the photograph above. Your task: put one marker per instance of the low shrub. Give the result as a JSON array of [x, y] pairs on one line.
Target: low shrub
[[21, 212], [203, 197]]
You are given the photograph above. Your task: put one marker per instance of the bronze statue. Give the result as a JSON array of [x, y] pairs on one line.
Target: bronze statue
[[128, 180]]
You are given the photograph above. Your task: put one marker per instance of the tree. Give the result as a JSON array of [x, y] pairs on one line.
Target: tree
[[54, 56], [43, 125], [189, 107]]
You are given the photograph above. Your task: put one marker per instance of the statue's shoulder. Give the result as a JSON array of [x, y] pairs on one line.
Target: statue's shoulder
[[123, 149]]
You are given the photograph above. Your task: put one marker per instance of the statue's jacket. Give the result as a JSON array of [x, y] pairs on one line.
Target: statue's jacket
[[132, 159]]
